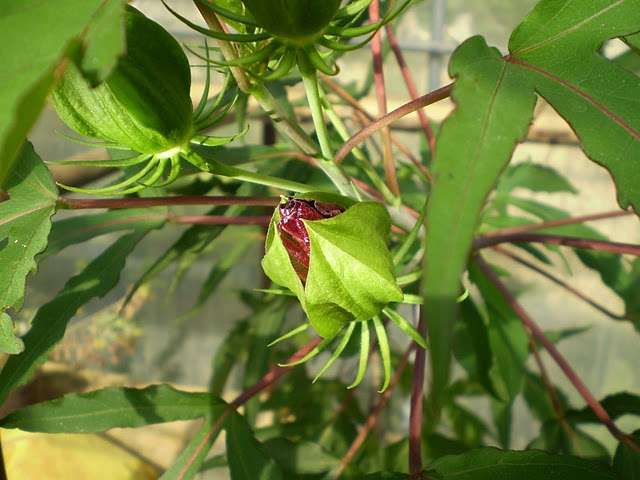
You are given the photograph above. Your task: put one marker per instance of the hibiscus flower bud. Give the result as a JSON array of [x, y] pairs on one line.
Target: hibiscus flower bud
[[332, 253], [293, 233]]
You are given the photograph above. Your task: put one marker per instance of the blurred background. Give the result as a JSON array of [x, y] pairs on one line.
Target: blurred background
[[153, 341]]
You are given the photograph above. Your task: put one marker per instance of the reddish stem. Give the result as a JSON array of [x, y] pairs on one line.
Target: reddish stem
[[113, 203], [410, 107], [561, 222], [415, 415], [219, 219], [388, 161], [268, 379], [411, 87], [344, 95], [573, 377], [585, 243], [372, 419], [557, 281]]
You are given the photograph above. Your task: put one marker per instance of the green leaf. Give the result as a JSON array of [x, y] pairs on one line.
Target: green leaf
[[305, 458], [49, 324], [626, 461], [9, 343], [492, 464], [507, 337], [468, 427], [79, 229], [534, 177], [25, 222], [494, 108], [265, 325], [471, 345], [538, 400], [112, 407], [38, 37], [616, 405], [569, 439], [190, 460], [233, 346], [557, 46], [104, 42], [248, 459]]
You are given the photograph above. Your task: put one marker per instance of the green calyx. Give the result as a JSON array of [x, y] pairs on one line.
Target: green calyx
[[144, 104], [298, 21], [350, 275]]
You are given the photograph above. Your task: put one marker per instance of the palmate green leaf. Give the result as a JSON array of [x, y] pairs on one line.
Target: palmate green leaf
[[494, 108], [248, 459], [507, 338], [38, 37], [493, 464], [50, 322], [537, 397], [25, 222], [626, 461], [113, 407], [81, 228], [557, 46]]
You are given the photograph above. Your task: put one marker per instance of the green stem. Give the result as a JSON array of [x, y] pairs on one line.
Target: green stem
[[310, 81], [216, 168], [327, 164], [363, 162]]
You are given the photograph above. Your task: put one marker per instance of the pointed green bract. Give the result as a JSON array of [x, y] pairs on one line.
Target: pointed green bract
[[25, 222], [494, 108]]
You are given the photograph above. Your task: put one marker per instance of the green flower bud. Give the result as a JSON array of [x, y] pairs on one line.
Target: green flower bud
[[350, 271], [144, 104], [299, 21]]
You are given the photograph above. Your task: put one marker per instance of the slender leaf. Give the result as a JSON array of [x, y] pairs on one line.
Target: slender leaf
[[248, 459], [534, 177], [616, 405], [49, 325], [81, 228], [626, 461], [494, 108], [114, 407], [509, 342], [492, 464]]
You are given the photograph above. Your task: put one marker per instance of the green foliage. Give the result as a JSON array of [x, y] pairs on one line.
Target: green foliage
[[25, 222], [493, 114], [364, 263], [51, 320], [31, 60], [490, 463], [114, 407]]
